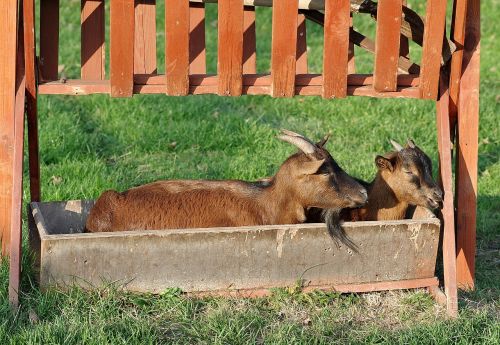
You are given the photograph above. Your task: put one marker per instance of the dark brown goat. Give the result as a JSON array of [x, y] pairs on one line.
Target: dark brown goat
[[404, 178], [309, 178]]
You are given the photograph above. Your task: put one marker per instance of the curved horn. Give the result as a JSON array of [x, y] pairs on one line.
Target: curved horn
[[411, 144], [396, 145], [304, 144]]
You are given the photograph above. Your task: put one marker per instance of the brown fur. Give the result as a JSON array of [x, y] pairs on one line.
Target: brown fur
[[302, 181], [404, 178]]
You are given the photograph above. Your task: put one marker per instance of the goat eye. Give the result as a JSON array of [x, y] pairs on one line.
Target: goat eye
[[408, 173]]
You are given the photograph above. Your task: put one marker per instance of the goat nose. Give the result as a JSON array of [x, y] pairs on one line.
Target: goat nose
[[364, 194]]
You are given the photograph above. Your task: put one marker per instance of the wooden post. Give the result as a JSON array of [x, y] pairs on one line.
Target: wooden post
[[385, 72], [31, 97], [230, 47], [336, 48], [8, 18], [249, 41], [197, 49], [447, 213], [467, 149], [145, 37], [92, 39], [177, 47], [284, 47], [17, 169], [49, 39], [301, 65], [122, 22]]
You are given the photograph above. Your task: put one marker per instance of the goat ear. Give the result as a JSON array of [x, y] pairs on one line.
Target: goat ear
[[323, 141], [311, 167], [384, 163], [410, 144]]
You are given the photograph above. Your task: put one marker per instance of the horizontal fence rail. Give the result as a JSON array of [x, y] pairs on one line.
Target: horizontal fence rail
[[133, 51]]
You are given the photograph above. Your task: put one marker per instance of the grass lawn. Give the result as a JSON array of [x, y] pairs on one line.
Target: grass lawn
[[89, 144]]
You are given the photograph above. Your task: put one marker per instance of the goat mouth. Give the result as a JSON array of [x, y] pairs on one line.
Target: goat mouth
[[432, 203]]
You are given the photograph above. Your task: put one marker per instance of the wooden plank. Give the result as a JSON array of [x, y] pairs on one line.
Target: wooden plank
[[458, 37], [301, 55], [197, 49], [467, 149], [284, 46], [404, 46], [92, 39], [336, 48], [177, 47], [31, 98], [230, 47], [145, 37], [387, 45], [430, 283], [447, 212], [249, 41], [435, 16], [122, 21], [49, 39], [17, 168], [8, 15], [351, 65]]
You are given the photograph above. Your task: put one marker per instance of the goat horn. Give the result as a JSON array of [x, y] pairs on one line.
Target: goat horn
[[324, 140], [304, 144], [411, 144], [396, 145]]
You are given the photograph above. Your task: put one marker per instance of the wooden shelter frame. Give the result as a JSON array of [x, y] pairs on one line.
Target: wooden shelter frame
[[452, 83]]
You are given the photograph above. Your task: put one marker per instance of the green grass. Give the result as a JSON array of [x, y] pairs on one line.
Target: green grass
[[89, 144]]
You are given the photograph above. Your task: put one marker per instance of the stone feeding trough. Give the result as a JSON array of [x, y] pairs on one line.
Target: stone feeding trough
[[244, 261]]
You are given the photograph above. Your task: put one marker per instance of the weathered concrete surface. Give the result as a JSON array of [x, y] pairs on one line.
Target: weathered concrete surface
[[227, 258]]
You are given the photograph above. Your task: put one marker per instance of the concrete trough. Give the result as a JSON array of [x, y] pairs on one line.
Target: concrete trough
[[239, 261]]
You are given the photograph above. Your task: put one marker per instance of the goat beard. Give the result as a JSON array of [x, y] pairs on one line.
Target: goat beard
[[332, 219]]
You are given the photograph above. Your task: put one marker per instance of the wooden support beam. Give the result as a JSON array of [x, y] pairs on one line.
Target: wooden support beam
[[387, 45], [336, 48], [351, 65], [467, 149], [122, 21], [301, 54], [31, 97], [49, 39], [92, 39], [8, 20], [177, 47], [197, 49], [230, 47], [249, 42], [17, 171], [284, 46], [145, 37], [435, 17], [448, 215]]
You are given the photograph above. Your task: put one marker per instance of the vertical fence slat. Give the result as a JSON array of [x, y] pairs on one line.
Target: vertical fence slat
[[122, 47], [49, 39], [249, 42], [404, 46], [351, 65], [8, 14], [197, 50], [145, 37], [385, 72], [31, 97], [92, 39], [284, 46], [432, 48], [458, 36], [336, 48], [230, 47], [301, 65], [177, 47]]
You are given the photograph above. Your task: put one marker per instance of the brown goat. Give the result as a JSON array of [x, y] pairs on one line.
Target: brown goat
[[309, 178], [404, 179]]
